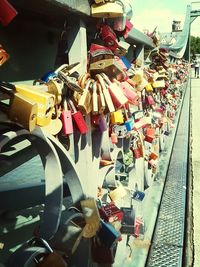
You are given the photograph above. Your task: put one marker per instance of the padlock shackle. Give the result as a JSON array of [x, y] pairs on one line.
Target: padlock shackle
[[7, 88]]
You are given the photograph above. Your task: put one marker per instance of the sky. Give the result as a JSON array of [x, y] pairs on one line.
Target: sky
[[147, 14]]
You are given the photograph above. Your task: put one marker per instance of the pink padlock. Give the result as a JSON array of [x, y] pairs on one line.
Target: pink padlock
[[114, 138]]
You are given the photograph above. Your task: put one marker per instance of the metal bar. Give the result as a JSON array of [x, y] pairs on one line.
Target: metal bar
[[9, 163], [168, 240]]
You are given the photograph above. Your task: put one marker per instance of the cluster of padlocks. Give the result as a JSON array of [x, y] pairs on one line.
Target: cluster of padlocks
[[134, 107]]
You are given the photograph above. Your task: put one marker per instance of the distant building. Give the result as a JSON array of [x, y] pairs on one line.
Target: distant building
[[176, 25], [170, 38]]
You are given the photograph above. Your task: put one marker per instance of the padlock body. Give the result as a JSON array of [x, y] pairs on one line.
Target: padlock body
[[111, 213], [128, 221], [66, 118], [117, 117], [45, 102], [23, 111], [80, 122]]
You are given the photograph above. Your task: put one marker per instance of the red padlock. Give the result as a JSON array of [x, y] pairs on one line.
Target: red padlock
[[7, 12], [78, 118], [109, 37], [111, 213]]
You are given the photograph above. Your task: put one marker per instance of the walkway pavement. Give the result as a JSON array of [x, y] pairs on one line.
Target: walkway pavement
[[195, 132]]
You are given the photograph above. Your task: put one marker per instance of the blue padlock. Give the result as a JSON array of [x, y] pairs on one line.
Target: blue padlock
[[107, 234], [138, 195], [48, 76], [126, 62], [129, 125]]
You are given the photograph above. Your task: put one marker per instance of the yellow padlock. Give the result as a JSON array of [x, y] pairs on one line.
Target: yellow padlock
[[158, 84], [149, 87], [23, 111], [44, 100], [107, 10], [117, 117]]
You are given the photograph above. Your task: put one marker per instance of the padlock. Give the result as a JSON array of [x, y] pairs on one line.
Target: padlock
[[114, 138], [44, 100], [107, 234], [138, 195], [136, 148], [106, 94], [127, 29], [150, 131], [120, 130], [92, 217], [126, 62], [55, 86], [121, 51], [101, 99], [48, 76], [107, 10], [128, 90], [4, 56], [78, 118], [148, 138], [102, 254], [21, 109], [64, 72], [99, 121], [148, 87], [129, 125], [103, 126], [69, 234], [85, 101], [117, 193], [158, 84], [108, 36], [149, 100], [99, 52], [66, 118], [137, 115], [117, 95], [7, 12], [117, 117], [128, 220], [111, 213], [138, 227], [153, 156], [108, 66], [95, 109]]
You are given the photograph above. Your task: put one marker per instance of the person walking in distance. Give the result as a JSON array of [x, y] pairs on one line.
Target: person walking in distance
[[196, 68]]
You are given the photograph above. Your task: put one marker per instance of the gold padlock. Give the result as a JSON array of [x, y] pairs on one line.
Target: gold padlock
[[85, 101], [107, 10], [44, 100], [23, 111], [92, 217], [118, 193], [108, 66]]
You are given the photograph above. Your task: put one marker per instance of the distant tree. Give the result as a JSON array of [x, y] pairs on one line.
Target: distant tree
[[194, 46]]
